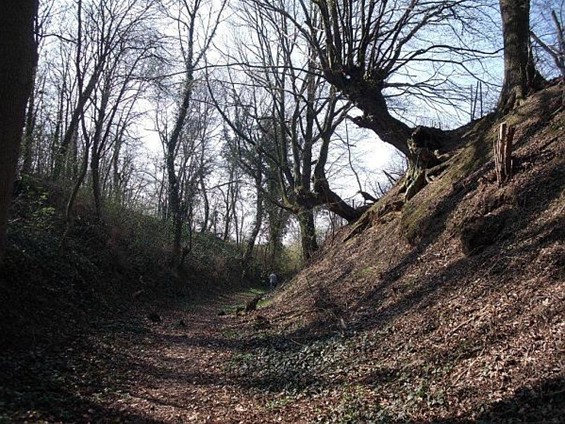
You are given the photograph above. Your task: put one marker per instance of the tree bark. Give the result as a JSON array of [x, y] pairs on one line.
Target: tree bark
[[367, 95], [206, 217], [418, 144], [95, 155], [277, 219], [308, 233], [328, 197], [18, 56], [259, 210], [174, 206], [333, 202], [27, 146], [520, 74], [81, 175]]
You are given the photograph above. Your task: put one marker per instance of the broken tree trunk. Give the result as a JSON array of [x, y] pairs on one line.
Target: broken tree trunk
[[503, 153], [425, 160]]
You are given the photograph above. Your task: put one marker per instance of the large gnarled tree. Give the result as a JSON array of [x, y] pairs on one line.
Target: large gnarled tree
[[378, 52]]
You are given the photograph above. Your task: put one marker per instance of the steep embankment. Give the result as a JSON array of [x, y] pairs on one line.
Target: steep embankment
[[450, 306]]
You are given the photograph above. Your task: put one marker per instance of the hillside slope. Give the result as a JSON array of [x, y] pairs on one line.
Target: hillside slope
[[50, 290], [450, 306]]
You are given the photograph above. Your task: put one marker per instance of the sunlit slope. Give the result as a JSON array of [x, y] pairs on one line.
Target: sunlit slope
[[451, 304]]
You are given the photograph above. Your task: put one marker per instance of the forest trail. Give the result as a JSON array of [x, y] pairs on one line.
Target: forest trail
[[178, 370], [140, 371]]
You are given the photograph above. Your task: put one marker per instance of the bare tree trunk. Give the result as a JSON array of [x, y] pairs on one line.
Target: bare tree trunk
[[96, 189], [78, 112], [227, 214], [206, 216], [17, 60], [174, 212], [333, 202], [95, 156], [368, 97], [277, 220], [557, 52], [259, 211], [27, 147], [116, 186], [520, 75], [76, 187], [308, 234], [56, 138], [193, 53], [174, 206]]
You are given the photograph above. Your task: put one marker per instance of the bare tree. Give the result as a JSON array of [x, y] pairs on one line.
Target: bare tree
[[549, 33], [251, 164], [101, 27], [196, 22], [520, 74], [114, 101], [284, 109], [35, 99], [17, 61]]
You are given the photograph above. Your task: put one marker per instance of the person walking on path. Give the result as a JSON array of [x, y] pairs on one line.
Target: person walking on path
[[272, 281]]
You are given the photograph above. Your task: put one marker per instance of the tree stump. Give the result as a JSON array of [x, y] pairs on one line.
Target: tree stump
[[502, 147]]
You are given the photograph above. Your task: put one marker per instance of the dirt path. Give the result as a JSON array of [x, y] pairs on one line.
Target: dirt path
[[198, 366], [179, 371], [135, 370]]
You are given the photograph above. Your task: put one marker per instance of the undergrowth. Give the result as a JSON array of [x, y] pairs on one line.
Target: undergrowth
[[104, 267]]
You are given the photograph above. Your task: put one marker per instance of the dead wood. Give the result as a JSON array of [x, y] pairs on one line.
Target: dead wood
[[503, 153]]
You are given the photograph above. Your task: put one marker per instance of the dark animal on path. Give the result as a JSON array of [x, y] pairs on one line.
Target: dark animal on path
[[153, 317], [252, 304]]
